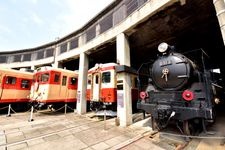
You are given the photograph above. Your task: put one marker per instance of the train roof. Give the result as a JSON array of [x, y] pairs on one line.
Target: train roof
[[15, 72], [103, 66], [49, 68]]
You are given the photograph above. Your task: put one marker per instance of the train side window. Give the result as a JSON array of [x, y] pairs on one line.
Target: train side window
[[10, 80], [89, 79], [25, 83], [45, 77], [106, 76], [56, 78], [64, 80], [96, 79], [73, 81]]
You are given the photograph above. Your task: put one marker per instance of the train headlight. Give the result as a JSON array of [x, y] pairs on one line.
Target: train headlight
[[188, 95], [163, 47]]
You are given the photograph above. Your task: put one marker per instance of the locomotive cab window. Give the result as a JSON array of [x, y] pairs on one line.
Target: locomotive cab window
[[10, 80], [106, 76], [25, 84]]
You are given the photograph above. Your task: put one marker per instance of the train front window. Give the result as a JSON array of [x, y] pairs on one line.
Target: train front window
[[45, 77], [106, 76], [11, 80], [56, 78]]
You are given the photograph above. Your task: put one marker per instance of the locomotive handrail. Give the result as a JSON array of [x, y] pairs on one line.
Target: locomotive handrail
[[199, 49], [138, 72], [144, 64]]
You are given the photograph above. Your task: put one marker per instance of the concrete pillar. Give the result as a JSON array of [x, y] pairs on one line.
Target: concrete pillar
[[220, 12], [124, 108], [122, 50], [57, 64], [81, 40], [82, 84]]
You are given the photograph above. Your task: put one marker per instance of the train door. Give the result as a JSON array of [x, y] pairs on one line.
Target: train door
[[72, 88], [11, 83], [96, 86], [63, 90]]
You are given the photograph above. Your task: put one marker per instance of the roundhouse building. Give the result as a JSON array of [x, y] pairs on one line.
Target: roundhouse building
[[127, 32]]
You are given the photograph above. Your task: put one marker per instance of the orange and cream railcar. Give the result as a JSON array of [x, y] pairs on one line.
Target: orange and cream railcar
[[103, 84], [15, 86], [54, 86]]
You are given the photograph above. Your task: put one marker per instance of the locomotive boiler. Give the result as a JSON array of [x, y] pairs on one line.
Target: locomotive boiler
[[180, 90]]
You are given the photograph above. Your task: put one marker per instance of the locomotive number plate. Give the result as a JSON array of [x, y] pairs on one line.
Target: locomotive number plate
[[165, 63]]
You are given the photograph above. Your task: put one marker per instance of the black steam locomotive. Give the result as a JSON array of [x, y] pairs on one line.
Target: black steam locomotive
[[179, 90]]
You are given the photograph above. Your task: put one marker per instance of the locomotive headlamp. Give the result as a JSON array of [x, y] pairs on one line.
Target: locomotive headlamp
[[163, 47], [217, 100]]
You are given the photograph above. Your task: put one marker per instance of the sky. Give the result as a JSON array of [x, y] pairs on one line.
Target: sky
[[31, 23]]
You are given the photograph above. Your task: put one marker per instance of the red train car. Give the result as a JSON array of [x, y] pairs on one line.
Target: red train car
[[103, 84], [54, 86], [15, 86]]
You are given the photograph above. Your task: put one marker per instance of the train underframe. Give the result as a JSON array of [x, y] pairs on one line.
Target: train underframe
[[99, 106], [188, 114], [54, 106]]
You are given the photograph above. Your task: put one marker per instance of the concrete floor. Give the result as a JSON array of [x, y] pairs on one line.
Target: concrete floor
[[55, 130], [71, 131]]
